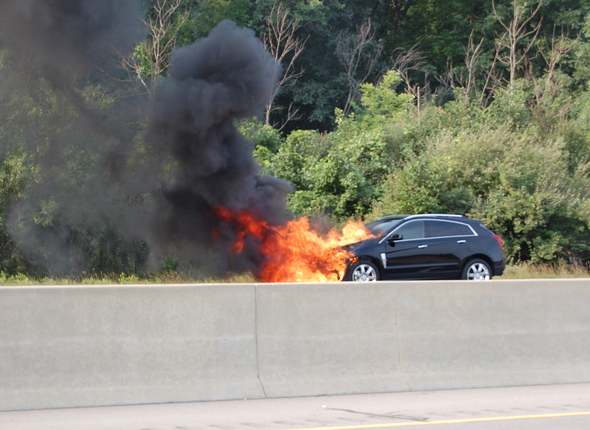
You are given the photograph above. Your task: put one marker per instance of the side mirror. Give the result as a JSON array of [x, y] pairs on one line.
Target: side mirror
[[395, 238]]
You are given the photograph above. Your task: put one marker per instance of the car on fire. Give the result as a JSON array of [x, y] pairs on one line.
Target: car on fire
[[427, 246]]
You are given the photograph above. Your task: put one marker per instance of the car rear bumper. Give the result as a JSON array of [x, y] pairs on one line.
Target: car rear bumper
[[499, 268]]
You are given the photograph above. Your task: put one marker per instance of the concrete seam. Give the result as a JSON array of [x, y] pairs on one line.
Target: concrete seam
[[397, 346], [256, 340]]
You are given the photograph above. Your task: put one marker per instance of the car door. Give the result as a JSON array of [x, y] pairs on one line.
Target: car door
[[449, 244], [406, 251]]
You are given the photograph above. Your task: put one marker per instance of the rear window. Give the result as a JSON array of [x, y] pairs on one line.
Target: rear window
[[447, 228]]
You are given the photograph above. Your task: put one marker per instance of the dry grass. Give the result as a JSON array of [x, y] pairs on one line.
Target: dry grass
[[519, 271], [124, 279], [536, 271]]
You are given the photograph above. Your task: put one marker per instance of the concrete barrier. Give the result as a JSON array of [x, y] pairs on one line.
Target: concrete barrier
[[361, 338], [499, 334], [89, 346], [115, 345]]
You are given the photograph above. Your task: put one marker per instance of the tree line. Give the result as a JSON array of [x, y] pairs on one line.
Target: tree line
[[384, 106]]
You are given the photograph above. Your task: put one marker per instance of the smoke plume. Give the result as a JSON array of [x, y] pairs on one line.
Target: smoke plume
[[101, 170], [215, 81]]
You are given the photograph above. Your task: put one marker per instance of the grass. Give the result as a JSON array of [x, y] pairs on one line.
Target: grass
[[536, 271], [519, 271], [124, 279]]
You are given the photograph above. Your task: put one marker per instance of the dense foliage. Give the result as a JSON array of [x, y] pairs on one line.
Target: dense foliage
[[398, 106], [527, 182]]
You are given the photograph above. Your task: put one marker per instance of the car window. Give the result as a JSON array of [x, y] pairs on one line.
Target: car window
[[447, 228], [411, 230]]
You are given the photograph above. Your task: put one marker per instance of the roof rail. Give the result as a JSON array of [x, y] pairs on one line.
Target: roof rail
[[436, 215]]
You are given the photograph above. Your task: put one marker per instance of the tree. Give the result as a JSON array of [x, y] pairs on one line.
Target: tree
[[467, 77], [14, 174], [340, 173], [325, 84], [358, 53], [514, 45], [406, 62], [552, 100], [282, 42], [151, 58]]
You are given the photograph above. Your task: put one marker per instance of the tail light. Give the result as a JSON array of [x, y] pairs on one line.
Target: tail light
[[499, 240]]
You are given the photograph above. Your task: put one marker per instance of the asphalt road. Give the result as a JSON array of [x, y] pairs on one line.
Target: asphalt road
[[563, 407]]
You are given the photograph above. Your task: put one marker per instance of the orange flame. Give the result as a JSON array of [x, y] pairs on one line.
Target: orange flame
[[296, 251]]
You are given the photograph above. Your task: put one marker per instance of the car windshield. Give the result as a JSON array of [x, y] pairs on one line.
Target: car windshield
[[380, 227]]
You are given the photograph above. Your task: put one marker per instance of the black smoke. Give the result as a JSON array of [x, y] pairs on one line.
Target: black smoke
[[154, 171], [224, 77], [67, 38]]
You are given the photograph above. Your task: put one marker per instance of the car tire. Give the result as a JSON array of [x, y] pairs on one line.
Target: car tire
[[477, 270], [363, 271]]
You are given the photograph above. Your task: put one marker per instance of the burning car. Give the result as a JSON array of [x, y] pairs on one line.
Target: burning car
[[426, 247]]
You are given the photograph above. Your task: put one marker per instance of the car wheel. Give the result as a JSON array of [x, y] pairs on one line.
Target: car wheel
[[477, 270], [363, 271]]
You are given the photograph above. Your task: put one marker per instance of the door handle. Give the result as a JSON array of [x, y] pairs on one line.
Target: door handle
[[422, 246], [461, 241]]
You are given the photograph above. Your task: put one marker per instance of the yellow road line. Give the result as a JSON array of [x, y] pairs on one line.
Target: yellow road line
[[460, 421]]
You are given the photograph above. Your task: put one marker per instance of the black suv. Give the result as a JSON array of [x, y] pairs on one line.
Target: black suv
[[427, 247]]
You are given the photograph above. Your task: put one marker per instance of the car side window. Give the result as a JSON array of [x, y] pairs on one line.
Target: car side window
[[411, 230], [447, 228]]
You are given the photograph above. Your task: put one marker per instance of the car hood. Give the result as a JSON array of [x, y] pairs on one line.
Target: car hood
[[361, 247]]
